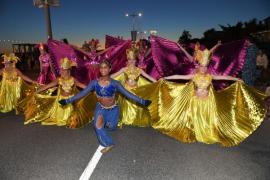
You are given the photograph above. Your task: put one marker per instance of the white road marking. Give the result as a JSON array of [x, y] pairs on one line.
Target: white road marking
[[92, 164]]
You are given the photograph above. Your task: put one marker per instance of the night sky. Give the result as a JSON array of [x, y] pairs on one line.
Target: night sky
[[79, 20]]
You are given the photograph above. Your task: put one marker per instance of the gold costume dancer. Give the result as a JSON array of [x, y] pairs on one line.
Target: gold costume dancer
[[132, 77], [45, 108], [13, 87], [196, 112]]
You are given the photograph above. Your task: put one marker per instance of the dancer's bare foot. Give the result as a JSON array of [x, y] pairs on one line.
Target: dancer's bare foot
[[106, 149]]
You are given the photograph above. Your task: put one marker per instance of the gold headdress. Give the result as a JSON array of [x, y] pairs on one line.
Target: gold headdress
[[203, 57], [132, 53], [10, 57], [67, 63]]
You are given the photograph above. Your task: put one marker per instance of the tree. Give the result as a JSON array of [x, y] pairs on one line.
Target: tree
[[233, 32], [185, 37], [209, 33]]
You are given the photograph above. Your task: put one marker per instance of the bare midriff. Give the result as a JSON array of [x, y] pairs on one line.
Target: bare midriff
[[106, 101], [131, 83], [202, 83], [132, 75], [201, 93], [67, 86]]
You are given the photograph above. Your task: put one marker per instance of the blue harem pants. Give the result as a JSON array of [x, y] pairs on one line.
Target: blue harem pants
[[110, 121]]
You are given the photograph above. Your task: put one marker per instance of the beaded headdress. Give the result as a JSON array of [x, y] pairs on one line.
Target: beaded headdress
[[67, 63]]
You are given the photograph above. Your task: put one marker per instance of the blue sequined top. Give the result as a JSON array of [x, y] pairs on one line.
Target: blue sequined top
[[106, 91]]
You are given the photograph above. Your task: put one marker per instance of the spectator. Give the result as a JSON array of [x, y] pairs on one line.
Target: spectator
[[261, 60]]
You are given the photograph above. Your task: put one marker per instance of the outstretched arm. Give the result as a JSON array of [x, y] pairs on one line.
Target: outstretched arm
[[144, 74], [190, 58], [230, 78], [215, 47], [81, 94], [27, 79], [131, 96], [80, 85], [183, 77], [118, 73], [50, 85]]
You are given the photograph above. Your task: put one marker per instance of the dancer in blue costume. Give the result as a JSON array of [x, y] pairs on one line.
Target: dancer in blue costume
[[107, 111]]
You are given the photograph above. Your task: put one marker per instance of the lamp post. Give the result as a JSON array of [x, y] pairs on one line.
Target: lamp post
[[46, 5], [134, 31]]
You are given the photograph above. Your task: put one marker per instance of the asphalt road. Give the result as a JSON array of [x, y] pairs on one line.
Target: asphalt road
[[36, 152]]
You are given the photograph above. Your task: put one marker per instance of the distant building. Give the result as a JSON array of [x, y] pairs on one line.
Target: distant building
[[28, 55], [267, 21], [262, 36], [23, 48], [153, 32]]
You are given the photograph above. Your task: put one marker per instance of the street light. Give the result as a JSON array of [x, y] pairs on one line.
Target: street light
[[46, 5], [133, 31], [133, 16]]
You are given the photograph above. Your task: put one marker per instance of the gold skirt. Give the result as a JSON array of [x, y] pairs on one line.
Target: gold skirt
[[227, 117], [130, 112], [45, 108], [11, 92]]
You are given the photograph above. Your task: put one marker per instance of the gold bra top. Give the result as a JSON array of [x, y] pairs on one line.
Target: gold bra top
[[132, 74], [67, 84], [10, 76], [202, 81]]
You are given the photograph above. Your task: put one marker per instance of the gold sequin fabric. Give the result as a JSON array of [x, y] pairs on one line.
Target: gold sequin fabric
[[130, 112], [44, 108], [202, 81], [12, 90], [226, 117], [132, 73], [67, 84]]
